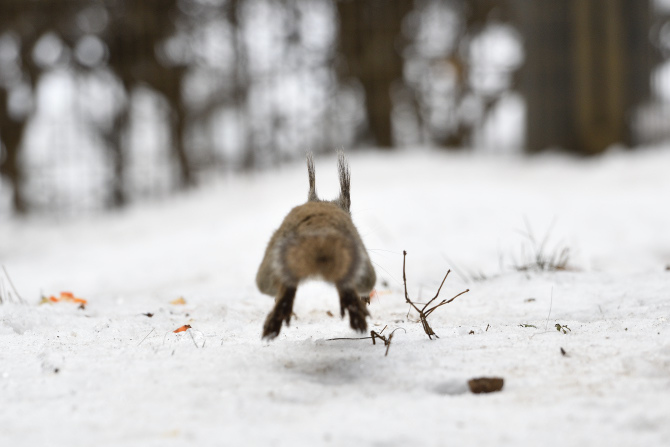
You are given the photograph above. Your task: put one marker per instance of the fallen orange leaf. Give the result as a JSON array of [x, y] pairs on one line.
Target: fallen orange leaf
[[64, 297], [182, 329], [179, 300], [376, 293]]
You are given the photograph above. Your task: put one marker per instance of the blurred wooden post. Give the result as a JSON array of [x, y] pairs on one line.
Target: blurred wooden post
[[598, 74], [585, 70]]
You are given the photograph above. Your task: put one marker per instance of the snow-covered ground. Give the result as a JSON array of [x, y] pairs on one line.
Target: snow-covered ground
[[110, 375]]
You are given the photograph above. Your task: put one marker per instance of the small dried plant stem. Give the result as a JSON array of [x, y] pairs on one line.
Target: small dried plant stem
[[423, 313], [348, 338], [21, 300], [404, 280], [145, 337], [193, 338], [374, 335]]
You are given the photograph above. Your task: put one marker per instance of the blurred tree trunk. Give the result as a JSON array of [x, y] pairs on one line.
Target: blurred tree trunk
[[28, 25], [179, 123], [240, 81], [587, 66], [115, 138], [370, 45], [476, 15], [11, 134], [136, 32]]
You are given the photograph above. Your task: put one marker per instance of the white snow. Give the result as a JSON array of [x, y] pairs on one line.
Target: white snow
[[109, 375]]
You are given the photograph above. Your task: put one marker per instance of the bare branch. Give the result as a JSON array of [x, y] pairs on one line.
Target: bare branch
[[423, 313]]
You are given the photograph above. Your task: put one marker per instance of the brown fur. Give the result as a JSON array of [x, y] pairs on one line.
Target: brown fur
[[317, 240]]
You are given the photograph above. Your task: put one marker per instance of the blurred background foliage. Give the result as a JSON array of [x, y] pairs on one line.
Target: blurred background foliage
[[106, 102]]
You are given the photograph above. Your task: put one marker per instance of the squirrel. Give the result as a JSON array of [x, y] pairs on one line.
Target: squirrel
[[317, 239]]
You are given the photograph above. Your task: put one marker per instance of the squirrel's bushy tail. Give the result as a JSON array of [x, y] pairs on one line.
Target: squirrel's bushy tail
[[325, 254]]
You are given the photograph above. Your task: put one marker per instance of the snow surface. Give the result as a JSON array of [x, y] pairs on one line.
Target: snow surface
[[109, 375]]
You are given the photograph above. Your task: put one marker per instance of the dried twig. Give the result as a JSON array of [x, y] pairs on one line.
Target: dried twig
[[423, 313], [386, 340], [145, 337], [375, 335]]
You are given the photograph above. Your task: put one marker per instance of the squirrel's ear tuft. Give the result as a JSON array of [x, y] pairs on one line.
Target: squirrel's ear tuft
[[345, 181], [311, 196]]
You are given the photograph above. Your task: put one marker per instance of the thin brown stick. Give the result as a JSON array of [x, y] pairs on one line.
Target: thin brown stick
[[374, 335], [438, 290], [348, 338], [429, 311], [423, 313], [145, 337], [404, 281], [387, 343]]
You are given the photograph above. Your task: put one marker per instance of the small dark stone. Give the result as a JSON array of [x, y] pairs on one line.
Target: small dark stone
[[486, 384]]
